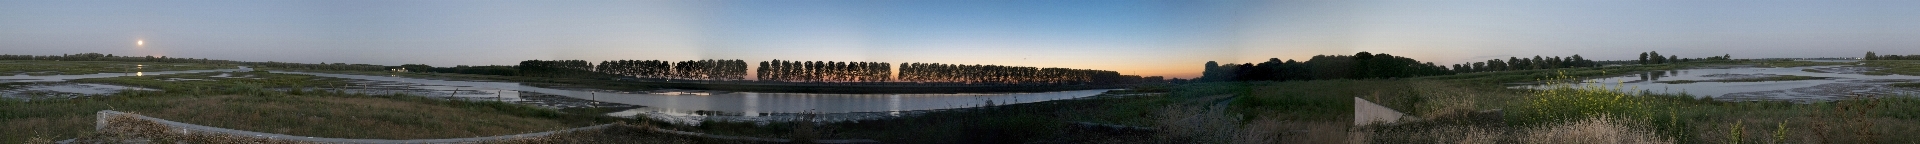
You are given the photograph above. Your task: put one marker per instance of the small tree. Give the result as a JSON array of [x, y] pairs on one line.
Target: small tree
[[1643, 58], [1870, 56]]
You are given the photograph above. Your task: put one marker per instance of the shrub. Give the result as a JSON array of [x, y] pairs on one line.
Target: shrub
[[1566, 102]]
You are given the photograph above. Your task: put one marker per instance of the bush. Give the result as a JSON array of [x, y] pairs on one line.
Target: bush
[[1566, 102]]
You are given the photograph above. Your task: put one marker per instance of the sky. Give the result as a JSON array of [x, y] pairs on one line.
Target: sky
[[1171, 38]]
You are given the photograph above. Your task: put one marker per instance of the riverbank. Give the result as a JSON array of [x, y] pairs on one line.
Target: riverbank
[[736, 86]]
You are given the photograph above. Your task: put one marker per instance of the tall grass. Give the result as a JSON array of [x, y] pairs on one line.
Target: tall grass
[[249, 104], [1596, 129], [1902, 67]]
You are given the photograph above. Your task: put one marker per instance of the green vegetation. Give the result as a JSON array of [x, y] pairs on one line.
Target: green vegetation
[[1794, 63], [1537, 75], [1637, 116], [1906, 85], [38, 68], [254, 105], [199, 82], [1463, 108], [1902, 67]]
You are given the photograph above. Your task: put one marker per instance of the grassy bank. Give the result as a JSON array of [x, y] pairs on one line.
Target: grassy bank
[[13, 67], [1901, 67], [1906, 85], [249, 104]]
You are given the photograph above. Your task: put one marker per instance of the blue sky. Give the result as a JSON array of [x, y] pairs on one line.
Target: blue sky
[[1169, 38]]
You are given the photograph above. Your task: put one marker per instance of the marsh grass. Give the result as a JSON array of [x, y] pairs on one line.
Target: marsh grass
[[1906, 85], [1678, 118], [128, 129], [1562, 102], [1596, 129], [250, 104], [352, 117], [40, 68], [1294, 100], [1902, 67]]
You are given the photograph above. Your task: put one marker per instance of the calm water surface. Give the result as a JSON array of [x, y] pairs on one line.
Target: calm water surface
[[747, 103], [1837, 85]]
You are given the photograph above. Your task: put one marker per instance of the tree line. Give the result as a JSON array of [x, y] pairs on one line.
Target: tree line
[[110, 57], [1517, 63], [1363, 65], [1653, 57], [1872, 56], [710, 69], [824, 71], [462, 69], [556, 68], [647, 69], [997, 74], [318, 66]]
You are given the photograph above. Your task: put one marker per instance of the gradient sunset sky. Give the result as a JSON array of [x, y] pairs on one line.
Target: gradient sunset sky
[[1166, 38]]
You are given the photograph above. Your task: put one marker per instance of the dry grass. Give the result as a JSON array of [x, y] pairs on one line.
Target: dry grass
[[44, 127], [129, 129], [1212, 124], [1599, 129], [618, 133], [1445, 99], [1463, 135], [348, 117]]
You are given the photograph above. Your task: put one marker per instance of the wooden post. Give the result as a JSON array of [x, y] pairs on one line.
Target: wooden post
[[455, 92]]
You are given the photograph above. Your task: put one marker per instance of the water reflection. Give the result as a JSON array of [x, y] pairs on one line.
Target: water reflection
[[59, 78], [750, 103]]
